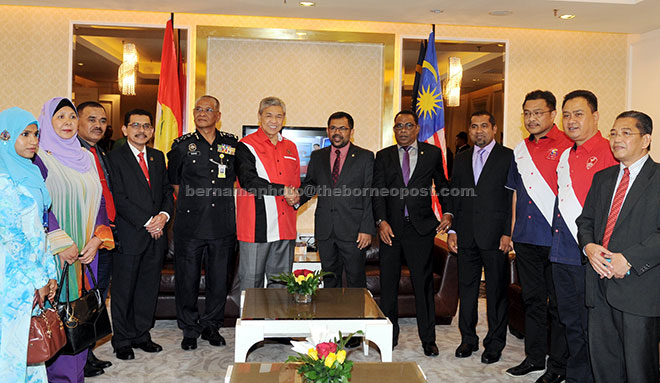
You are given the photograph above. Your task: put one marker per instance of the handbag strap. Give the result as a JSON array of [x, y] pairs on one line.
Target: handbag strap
[[91, 274], [64, 283], [37, 300]]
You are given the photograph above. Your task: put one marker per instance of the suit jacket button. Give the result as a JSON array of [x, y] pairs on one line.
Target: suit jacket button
[[187, 211], [212, 205]]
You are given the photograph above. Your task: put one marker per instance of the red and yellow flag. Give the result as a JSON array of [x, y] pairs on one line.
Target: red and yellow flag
[[168, 115]]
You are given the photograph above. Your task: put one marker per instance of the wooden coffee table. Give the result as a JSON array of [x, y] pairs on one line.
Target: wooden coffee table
[[363, 372], [272, 313]]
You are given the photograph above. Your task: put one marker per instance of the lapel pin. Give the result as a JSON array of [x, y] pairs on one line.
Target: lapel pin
[[151, 158], [352, 155], [421, 152]]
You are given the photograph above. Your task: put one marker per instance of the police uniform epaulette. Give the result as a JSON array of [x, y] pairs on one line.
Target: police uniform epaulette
[[229, 135], [182, 138]]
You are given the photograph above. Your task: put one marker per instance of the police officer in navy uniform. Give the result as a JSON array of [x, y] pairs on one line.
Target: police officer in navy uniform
[[202, 172]]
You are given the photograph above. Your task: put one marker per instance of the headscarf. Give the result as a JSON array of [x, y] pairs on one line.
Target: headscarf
[[67, 151], [21, 170]]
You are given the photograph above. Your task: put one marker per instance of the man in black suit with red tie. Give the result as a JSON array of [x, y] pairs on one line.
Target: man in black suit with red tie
[[92, 125], [619, 232], [344, 224], [404, 175], [144, 202], [482, 236]]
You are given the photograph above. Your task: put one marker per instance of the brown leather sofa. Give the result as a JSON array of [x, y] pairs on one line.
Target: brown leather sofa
[[445, 286], [516, 311]]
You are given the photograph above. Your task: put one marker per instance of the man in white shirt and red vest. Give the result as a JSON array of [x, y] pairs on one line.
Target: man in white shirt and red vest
[[268, 169], [577, 166], [533, 178]]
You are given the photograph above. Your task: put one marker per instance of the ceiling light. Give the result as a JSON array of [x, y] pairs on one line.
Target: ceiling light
[[307, 3], [127, 74], [437, 11], [81, 64], [500, 13], [500, 45], [476, 79], [566, 17], [301, 34]]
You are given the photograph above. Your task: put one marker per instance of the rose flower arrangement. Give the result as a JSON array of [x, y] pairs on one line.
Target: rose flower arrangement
[[323, 360], [303, 281]]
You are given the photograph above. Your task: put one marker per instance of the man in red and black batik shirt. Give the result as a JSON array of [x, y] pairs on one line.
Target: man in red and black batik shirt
[[268, 169]]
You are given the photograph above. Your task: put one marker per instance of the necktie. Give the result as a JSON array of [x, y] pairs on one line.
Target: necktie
[[616, 207], [405, 165], [143, 165], [405, 169], [109, 202], [335, 168], [479, 164]]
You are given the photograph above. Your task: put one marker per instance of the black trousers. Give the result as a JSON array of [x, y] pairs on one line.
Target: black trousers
[[495, 263], [340, 257], [104, 270], [540, 301], [135, 284], [569, 286], [189, 255], [625, 346], [416, 250]]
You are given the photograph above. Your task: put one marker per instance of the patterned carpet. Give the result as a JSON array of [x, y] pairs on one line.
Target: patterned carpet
[[209, 364]]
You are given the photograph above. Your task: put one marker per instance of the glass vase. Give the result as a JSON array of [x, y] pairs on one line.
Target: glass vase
[[302, 298]]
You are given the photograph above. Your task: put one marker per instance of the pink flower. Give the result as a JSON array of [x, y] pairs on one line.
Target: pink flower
[[325, 348]]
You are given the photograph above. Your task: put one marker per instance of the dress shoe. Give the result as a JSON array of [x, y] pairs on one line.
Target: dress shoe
[[91, 371], [353, 342], [490, 356], [430, 349], [93, 361], [148, 346], [214, 337], [189, 343], [125, 353], [465, 350], [524, 368], [550, 377]]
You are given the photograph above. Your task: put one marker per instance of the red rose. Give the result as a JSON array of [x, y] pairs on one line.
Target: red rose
[[303, 272], [307, 272], [297, 273], [323, 349]]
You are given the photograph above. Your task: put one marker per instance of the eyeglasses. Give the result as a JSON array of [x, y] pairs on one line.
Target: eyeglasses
[[407, 126], [624, 134], [199, 109], [537, 113], [137, 126], [341, 129]]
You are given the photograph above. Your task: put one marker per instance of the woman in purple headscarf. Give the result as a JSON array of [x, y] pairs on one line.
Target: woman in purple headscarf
[[77, 204]]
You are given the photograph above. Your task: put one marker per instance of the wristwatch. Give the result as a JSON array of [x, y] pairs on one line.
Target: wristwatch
[[378, 222]]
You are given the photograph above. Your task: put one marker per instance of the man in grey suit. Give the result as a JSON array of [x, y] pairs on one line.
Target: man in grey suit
[[344, 222], [619, 232]]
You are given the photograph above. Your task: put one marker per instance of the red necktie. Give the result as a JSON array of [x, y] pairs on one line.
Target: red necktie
[[616, 207], [109, 202], [335, 168], [143, 165]]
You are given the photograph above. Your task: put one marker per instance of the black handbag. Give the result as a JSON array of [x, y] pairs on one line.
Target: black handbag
[[85, 319]]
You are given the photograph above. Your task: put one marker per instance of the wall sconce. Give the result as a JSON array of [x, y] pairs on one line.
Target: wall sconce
[[127, 74], [453, 86]]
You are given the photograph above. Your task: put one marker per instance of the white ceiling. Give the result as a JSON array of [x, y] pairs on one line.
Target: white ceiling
[[624, 16]]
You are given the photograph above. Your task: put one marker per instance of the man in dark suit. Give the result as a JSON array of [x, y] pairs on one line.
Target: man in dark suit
[[343, 224], [404, 175], [92, 125], [482, 237], [143, 199], [619, 232]]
